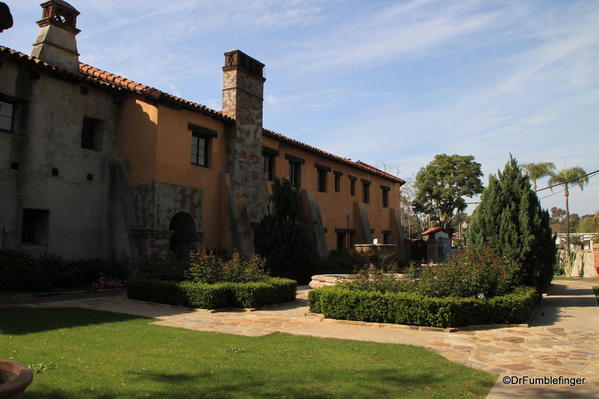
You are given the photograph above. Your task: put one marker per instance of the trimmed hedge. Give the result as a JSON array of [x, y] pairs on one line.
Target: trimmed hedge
[[212, 296], [409, 308]]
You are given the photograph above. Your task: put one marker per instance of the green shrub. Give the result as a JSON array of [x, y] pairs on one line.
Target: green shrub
[[24, 272], [162, 267], [281, 236], [510, 219], [209, 268], [471, 272], [212, 296], [339, 302]]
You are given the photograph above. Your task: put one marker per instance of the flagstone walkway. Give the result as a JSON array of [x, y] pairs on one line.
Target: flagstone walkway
[[563, 339]]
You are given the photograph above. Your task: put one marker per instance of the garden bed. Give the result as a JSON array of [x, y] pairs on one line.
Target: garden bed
[[338, 302], [271, 291]]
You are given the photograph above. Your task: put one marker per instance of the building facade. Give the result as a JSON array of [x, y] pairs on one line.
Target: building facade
[[93, 164]]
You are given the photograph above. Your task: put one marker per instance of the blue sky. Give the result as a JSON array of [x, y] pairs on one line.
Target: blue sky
[[391, 82]]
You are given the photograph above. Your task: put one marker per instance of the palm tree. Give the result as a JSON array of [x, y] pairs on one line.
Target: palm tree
[[572, 176], [538, 170]]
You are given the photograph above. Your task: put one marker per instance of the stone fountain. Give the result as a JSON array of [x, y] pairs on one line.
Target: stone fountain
[[375, 252]]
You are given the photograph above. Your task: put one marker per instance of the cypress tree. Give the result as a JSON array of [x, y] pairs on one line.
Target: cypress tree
[[281, 236], [510, 219]]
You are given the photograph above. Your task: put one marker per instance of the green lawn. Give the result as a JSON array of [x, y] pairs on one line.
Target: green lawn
[[83, 354]]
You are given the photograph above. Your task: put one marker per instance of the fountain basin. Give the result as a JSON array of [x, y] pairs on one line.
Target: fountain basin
[[375, 250], [14, 379]]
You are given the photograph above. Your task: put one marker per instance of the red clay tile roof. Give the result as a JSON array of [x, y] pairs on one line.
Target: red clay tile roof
[[346, 161], [149, 92], [99, 77]]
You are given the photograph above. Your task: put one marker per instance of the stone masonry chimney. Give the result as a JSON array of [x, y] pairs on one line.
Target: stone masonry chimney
[[56, 43], [242, 100]]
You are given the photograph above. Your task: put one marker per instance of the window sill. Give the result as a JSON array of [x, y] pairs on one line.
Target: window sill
[[201, 166]]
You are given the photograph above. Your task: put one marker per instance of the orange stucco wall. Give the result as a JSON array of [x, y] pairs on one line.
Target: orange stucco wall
[[136, 139], [337, 208], [155, 142]]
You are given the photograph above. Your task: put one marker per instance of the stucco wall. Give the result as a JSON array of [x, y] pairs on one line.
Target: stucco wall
[[337, 208], [49, 113]]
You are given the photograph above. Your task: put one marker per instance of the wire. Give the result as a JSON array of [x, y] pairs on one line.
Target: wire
[[569, 181], [590, 174]]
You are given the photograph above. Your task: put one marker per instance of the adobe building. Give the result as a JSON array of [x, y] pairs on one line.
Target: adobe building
[[93, 164]]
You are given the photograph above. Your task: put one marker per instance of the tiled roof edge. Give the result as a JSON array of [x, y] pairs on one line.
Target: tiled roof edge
[[346, 161], [107, 80]]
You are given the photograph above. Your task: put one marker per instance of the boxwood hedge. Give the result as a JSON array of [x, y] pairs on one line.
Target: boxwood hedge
[[212, 296], [408, 308]]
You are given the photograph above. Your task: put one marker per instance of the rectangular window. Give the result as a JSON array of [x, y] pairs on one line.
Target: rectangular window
[[322, 180], [269, 162], [386, 237], [295, 173], [6, 116], [34, 229], [90, 134], [201, 141], [365, 191], [199, 150], [352, 185], [385, 196], [341, 241], [269, 167], [337, 181], [295, 170]]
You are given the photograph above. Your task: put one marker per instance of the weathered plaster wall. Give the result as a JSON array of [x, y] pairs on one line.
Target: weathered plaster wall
[[47, 135]]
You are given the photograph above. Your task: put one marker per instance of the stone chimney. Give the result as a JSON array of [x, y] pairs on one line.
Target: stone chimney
[[56, 43], [242, 100]]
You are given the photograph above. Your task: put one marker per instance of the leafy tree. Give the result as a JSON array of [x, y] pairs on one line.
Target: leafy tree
[[557, 214], [567, 177], [442, 184], [589, 224], [538, 170], [281, 236], [510, 219]]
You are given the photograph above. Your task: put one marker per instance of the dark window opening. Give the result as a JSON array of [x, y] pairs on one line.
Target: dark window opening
[[199, 150], [6, 116], [269, 166], [201, 142], [352, 186], [386, 237], [322, 180], [341, 240], [345, 239], [34, 230], [90, 134], [337, 183], [295, 173], [385, 196], [365, 192]]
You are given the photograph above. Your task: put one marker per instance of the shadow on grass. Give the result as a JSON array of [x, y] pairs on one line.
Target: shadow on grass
[[235, 383], [24, 320]]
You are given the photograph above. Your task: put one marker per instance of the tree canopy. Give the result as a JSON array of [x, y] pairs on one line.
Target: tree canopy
[[511, 220], [538, 170], [442, 185]]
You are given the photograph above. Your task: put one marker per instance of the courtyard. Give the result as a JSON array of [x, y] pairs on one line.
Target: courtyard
[[285, 351]]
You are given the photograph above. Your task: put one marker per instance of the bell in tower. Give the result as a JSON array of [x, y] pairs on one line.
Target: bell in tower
[[56, 43]]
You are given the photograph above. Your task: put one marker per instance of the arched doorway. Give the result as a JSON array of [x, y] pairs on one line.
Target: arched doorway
[[184, 232]]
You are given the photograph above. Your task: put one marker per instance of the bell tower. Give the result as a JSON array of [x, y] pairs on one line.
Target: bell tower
[[56, 43]]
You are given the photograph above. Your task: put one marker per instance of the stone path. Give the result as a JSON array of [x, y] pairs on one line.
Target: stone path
[[563, 341]]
